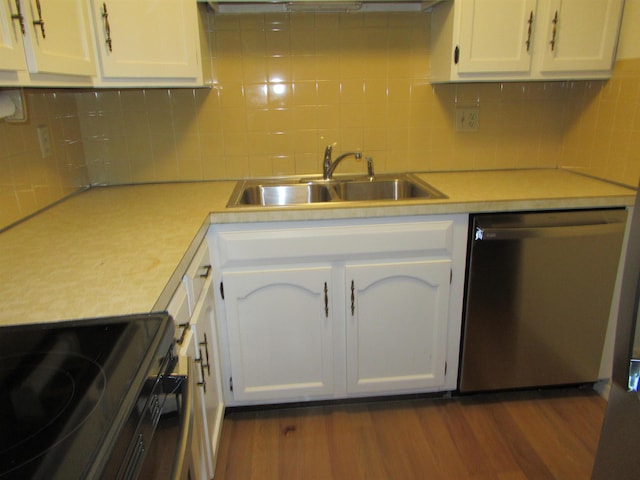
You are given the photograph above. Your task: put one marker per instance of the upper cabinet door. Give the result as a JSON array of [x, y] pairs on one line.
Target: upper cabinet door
[[495, 36], [147, 38], [11, 49], [57, 38], [579, 34]]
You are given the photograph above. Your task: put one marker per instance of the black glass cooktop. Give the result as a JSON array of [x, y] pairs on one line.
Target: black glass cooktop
[[63, 387]]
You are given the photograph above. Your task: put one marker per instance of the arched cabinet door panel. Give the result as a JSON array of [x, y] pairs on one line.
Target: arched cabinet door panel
[[397, 317], [280, 332]]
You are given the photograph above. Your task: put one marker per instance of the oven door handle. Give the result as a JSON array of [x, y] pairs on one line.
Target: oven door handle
[[182, 461]]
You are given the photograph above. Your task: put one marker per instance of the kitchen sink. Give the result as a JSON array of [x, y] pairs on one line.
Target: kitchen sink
[[384, 189], [282, 194], [305, 191]]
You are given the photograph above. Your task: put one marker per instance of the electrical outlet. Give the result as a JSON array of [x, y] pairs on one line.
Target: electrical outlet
[[467, 119], [44, 138]]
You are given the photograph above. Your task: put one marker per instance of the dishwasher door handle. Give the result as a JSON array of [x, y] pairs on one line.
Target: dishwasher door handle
[[514, 233]]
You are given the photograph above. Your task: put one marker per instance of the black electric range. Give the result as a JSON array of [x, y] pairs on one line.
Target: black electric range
[[77, 398]]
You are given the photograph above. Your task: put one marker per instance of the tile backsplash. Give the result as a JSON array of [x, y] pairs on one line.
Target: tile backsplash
[[288, 84], [602, 129], [30, 181]]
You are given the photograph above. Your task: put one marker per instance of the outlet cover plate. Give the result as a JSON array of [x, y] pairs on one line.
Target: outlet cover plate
[[467, 119]]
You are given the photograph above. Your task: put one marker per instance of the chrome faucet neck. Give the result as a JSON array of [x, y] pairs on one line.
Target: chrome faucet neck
[[329, 167], [326, 165]]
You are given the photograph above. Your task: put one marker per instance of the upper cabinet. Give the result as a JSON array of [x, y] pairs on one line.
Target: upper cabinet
[[501, 40], [578, 35], [102, 43], [45, 42], [148, 42], [11, 49]]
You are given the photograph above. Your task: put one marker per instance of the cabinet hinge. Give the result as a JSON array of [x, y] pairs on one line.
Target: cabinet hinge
[[222, 290], [456, 55], [231, 384]]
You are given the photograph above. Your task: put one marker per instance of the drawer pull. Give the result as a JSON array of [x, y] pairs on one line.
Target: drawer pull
[[184, 327], [207, 271]]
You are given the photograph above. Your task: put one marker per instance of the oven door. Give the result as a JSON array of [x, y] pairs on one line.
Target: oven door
[[170, 453]]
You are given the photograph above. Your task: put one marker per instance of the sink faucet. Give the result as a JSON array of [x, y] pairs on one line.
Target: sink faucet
[[370, 173], [328, 166]]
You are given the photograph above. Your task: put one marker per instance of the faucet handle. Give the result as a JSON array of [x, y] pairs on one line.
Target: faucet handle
[[370, 173]]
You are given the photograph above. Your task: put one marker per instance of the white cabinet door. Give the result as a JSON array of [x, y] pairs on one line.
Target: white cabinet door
[[502, 40], [578, 34], [199, 452], [208, 365], [11, 49], [280, 332], [397, 317], [495, 36], [58, 37], [147, 38]]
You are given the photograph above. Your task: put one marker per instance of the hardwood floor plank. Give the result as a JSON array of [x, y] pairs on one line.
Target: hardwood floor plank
[[494, 433], [508, 436], [265, 449], [517, 439], [449, 462], [353, 446], [561, 453], [402, 440], [468, 445], [237, 447]]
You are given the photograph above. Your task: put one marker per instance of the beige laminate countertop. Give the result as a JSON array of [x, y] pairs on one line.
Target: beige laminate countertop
[[118, 250]]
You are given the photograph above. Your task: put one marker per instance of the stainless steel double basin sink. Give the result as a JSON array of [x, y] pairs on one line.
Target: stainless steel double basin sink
[[304, 191]]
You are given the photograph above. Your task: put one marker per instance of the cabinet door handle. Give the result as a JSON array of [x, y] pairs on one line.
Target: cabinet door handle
[[39, 22], [353, 298], [18, 16], [326, 300], [554, 32], [107, 28], [530, 22], [205, 344], [203, 383]]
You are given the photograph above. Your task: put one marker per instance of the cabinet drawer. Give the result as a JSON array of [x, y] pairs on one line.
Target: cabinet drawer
[[179, 309], [197, 273], [337, 242]]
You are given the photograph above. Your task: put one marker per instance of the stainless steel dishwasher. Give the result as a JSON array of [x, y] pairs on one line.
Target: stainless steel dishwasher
[[538, 294]]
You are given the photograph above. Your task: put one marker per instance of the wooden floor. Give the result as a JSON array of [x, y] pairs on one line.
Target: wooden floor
[[515, 436]]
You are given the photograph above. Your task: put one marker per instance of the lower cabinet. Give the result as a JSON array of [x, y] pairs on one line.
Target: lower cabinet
[[281, 343], [192, 308], [396, 326], [337, 309], [209, 387], [200, 448]]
